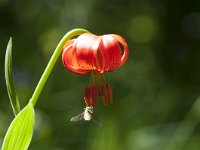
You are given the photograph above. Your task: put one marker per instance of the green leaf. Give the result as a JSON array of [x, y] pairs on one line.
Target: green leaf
[[9, 79], [19, 134]]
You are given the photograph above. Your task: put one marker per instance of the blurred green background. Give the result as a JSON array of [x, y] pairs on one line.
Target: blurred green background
[[156, 104]]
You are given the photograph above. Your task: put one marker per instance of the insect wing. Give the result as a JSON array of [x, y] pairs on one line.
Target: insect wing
[[78, 117], [96, 121]]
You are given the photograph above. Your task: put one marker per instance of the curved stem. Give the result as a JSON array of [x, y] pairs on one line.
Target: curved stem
[[52, 62]]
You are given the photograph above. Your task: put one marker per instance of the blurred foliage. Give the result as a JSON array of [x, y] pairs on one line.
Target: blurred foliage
[[156, 103]]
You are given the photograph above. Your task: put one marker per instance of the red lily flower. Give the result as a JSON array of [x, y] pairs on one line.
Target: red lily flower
[[94, 53]]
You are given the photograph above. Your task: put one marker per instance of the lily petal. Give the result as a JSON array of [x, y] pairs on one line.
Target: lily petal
[[111, 53], [70, 60], [125, 45], [87, 51]]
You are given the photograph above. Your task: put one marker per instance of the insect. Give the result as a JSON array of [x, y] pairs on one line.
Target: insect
[[87, 115]]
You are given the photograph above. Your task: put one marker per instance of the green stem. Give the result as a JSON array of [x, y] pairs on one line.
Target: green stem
[[52, 62]]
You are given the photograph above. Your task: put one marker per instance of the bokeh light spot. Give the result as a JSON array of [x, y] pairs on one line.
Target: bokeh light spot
[[142, 29]]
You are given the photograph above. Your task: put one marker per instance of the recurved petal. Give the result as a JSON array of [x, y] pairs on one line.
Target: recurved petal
[[87, 51], [125, 45], [69, 59], [110, 52]]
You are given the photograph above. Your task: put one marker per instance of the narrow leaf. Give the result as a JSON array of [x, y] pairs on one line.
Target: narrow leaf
[[19, 134], [9, 79]]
